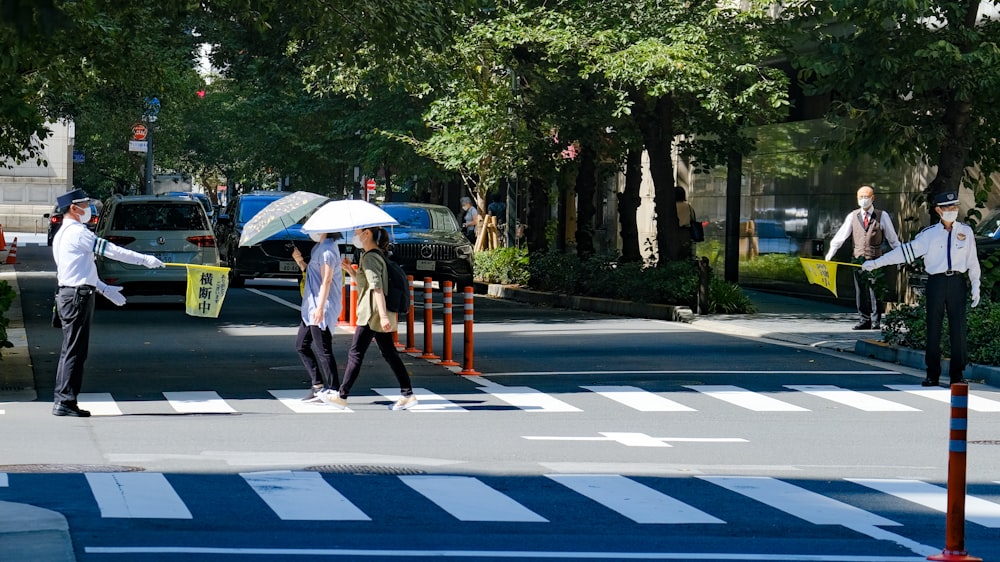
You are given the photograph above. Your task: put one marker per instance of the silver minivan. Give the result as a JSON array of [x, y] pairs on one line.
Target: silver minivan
[[172, 228]]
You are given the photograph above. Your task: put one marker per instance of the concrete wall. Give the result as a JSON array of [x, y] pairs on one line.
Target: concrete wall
[[28, 190]]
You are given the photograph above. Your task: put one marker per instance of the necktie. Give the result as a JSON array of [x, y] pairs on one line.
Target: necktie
[[949, 250], [866, 220]]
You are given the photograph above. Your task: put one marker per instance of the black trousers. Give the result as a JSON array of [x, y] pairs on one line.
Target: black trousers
[[75, 306], [315, 347], [946, 293], [363, 336], [864, 291]]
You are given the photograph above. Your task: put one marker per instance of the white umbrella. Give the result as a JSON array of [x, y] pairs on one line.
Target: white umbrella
[[279, 215], [347, 214]]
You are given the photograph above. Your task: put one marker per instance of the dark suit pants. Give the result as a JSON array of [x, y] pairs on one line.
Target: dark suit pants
[[946, 293], [75, 307]]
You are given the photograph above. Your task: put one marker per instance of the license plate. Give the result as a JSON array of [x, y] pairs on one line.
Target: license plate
[[288, 267], [164, 257], [426, 265]]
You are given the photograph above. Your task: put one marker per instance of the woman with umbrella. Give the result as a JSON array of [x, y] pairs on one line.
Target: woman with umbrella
[[374, 318], [321, 304]]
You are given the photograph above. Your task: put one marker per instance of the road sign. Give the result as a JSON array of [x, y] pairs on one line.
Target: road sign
[[370, 185], [139, 132]]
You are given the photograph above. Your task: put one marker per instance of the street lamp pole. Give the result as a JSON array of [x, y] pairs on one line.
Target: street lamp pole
[[150, 115]]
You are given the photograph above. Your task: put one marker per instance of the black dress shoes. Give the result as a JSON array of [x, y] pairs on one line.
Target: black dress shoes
[[71, 410], [929, 382], [862, 326]]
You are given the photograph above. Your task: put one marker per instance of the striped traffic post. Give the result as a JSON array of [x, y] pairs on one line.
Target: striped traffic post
[[428, 319], [345, 299], [446, 359], [954, 541], [411, 344], [467, 369]]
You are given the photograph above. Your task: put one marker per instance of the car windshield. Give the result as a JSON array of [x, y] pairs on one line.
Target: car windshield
[[990, 225], [422, 218], [160, 216], [250, 206]]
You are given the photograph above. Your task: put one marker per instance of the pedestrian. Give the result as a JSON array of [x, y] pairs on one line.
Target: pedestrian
[[321, 305], [374, 318], [74, 248], [949, 252], [685, 218], [470, 219], [868, 228]]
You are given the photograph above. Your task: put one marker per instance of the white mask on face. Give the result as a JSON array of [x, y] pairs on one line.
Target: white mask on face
[[864, 202], [356, 240], [314, 236], [949, 216], [85, 218]]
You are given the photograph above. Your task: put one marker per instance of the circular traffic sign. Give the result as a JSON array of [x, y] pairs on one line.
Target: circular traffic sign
[[370, 185], [139, 132]]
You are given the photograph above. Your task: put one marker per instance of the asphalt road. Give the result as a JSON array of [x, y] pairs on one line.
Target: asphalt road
[[585, 437]]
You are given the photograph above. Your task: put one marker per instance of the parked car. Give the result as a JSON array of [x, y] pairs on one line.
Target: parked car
[[988, 234], [199, 197], [773, 239], [428, 243], [56, 220], [271, 258], [174, 229]]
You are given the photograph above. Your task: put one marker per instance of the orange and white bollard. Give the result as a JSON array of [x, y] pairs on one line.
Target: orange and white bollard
[[411, 344], [345, 300], [446, 290], [428, 319], [354, 298], [467, 369], [954, 550], [3, 242], [12, 255]]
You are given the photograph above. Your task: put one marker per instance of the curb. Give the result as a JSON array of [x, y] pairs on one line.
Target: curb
[[593, 304], [882, 351]]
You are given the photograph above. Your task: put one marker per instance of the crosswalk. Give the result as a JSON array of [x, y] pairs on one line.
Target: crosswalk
[[793, 399], [313, 496]]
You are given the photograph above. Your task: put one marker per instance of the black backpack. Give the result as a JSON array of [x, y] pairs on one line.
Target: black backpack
[[397, 297]]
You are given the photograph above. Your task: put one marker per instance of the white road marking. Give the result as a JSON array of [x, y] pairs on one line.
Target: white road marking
[[198, 402], [744, 398], [275, 299], [637, 439], [427, 401], [98, 403], [689, 372], [977, 510], [292, 399], [468, 499], [636, 501], [528, 399], [3, 480], [512, 554], [639, 399], [302, 496], [851, 398], [976, 403], [136, 495]]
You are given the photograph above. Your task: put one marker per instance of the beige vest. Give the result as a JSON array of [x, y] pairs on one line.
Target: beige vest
[[867, 242]]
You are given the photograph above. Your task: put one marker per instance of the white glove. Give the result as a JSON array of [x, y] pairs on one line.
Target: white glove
[[151, 262], [869, 265], [829, 255], [114, 294], [975, 298]]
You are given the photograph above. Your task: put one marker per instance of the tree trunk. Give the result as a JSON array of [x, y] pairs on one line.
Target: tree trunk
[[388, 183], [628, 206], [586, 190], [538, 216], [656, 124], [954, 154]]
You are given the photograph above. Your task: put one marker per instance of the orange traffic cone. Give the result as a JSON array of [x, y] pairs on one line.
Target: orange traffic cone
[[12, 255], [3, 243]]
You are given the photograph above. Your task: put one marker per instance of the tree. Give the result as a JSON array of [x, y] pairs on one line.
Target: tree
[[910, 81]]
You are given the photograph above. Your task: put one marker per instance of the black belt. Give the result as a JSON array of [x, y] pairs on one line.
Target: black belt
[[81, 289], [948, 273]]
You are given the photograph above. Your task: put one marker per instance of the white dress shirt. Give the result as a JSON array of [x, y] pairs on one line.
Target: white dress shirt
[[846, 229], [74, 248], [942, 250]]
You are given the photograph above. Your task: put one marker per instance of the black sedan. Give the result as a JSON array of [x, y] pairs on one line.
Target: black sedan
[[427, 242], [56, 220]]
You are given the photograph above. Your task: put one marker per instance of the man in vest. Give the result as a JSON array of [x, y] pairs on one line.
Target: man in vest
[[868, 228]]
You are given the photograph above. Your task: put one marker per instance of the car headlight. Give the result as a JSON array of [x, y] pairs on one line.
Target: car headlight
[[464, 251]]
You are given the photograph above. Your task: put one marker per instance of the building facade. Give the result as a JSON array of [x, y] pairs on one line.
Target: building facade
[[29, 189]]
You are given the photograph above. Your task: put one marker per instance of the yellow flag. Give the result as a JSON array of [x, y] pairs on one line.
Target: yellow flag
[[206, 289], [822, 272]]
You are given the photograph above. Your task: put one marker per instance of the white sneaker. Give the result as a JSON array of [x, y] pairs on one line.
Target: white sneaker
[[332, 398], [405, 403]]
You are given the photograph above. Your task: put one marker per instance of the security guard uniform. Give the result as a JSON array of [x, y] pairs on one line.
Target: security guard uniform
[[949, 258], [73, 249]]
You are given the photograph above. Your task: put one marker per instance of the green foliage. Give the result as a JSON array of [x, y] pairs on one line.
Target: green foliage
[[779, 267], [906, 326], [7, 295], [984, 325], [507, 266], [728, 298]]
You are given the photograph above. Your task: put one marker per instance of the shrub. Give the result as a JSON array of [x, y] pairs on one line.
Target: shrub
[[503, 265], [777, 267], [906, 326], [728, 298]]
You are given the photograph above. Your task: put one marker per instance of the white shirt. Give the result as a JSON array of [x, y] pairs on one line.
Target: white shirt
[[932, 243], [73, 249], [846, 230]]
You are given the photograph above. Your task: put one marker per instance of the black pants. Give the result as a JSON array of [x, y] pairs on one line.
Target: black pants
[[315, 347], [75, 306], [864, 290], [359, 346], [946, 293]]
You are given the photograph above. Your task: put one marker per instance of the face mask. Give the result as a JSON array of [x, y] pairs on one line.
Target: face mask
[[949, 216], [864, 202], [314, 236], [86, 215], [356, 240]]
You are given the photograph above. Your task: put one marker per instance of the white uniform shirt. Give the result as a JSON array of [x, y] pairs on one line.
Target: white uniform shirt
[[74, 248], [846, 229], [932, 243]]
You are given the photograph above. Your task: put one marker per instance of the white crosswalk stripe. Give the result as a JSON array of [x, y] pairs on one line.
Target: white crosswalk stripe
[[527, 398], [639, 399], [977, 510], [136, 495], [852, 398], [198, 402], [302, 496], [292, 399], [469, 499], [98, 403], [976, 403], [639, 503], [427, 401], [745, 398]]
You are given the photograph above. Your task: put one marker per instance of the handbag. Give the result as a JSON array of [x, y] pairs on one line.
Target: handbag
[[697, 229]]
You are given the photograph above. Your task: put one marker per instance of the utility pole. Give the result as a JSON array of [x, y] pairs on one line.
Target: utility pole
[[149, 115]]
